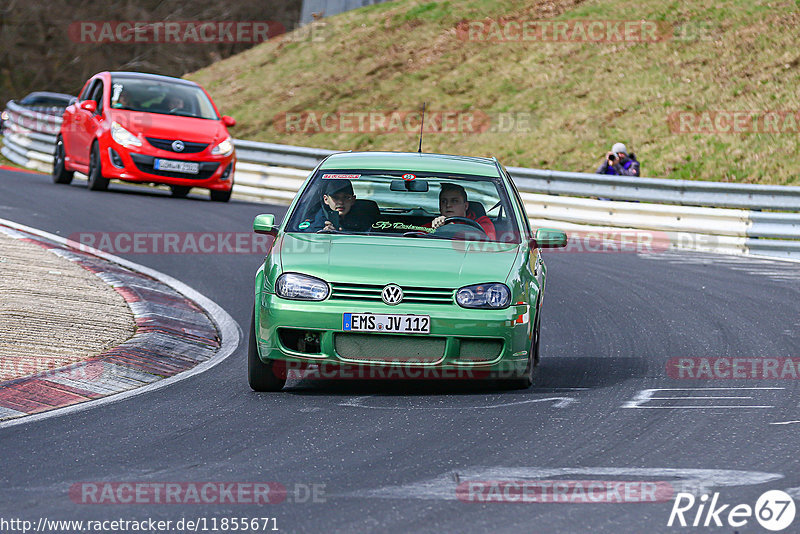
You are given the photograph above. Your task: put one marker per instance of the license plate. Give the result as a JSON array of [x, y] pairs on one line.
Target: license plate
[[177, 166], [376, 322]]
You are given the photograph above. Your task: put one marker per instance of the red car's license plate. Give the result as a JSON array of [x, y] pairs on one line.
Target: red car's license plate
[[177, 166]]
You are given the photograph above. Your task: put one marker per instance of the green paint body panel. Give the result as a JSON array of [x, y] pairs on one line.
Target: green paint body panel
[[378, 260]]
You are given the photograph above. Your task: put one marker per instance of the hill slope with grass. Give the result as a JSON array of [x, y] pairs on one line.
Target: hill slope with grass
[[580, 97]]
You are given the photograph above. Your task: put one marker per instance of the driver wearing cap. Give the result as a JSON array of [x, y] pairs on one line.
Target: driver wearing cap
[[453, 203], [340, 211]]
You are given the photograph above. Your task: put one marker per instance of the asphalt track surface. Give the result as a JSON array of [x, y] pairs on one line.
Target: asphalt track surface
[[390, 455]]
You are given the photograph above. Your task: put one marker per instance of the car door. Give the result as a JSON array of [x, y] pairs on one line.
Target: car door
[[87, 124], [535, 263], [72, 120]]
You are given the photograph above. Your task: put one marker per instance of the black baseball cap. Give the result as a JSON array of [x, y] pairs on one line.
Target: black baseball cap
[[337, 185]]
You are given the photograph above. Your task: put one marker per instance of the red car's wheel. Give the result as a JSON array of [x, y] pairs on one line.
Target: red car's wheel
[[60, 174], [220, 196], [180, 191], [96, 180]]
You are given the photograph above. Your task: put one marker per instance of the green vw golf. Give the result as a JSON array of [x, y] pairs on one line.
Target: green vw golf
[[405, 265]]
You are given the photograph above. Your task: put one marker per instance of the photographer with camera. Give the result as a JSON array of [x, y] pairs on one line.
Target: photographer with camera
[[619, 162]]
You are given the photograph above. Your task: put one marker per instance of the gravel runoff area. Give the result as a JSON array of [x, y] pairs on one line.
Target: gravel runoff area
[[53, 312]]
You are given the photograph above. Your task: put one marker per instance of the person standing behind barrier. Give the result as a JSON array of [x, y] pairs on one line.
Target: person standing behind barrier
[[619, 162]]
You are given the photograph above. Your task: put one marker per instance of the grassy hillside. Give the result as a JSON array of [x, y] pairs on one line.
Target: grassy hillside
[[737, 55]]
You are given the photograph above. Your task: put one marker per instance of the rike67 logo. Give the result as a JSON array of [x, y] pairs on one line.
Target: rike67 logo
[[774, 510]]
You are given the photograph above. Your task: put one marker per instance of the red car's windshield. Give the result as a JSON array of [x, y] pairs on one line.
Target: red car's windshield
[[155, 96]]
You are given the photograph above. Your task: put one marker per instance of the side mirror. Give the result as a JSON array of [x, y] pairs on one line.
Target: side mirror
[[228, 121], [265, 224], [549, 238], [89, 105]]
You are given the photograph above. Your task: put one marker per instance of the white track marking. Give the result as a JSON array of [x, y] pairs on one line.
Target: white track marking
[[695, 481], [784, 422], [778, 269], [645, 396], [230, 332], [794, 492], [559, 402]]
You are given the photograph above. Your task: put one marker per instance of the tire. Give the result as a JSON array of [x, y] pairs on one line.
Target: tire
[[525, 381], [220, 196], [260, 375], [96, 180], [180, 191], [537, 331], [60, 174]]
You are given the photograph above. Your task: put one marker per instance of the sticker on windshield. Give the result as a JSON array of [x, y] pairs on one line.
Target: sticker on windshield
[[388, 225], [408, 177], [303, 225], [340, 176]]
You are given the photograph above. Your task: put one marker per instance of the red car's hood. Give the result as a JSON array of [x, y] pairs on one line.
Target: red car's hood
[[170, 126]]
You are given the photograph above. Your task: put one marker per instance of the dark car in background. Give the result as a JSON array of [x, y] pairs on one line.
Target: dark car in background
[[42, 102]]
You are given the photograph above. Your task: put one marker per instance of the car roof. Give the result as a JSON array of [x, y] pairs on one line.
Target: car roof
[[48, 94], [154, 77], [413, 161]]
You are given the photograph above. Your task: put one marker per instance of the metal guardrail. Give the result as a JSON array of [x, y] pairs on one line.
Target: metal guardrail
[[712, 216]]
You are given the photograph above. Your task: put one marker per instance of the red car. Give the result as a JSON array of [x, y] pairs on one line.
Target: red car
[[149, 129]]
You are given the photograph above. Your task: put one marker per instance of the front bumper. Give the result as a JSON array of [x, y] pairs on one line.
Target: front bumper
[[136, 165], [490, 341]]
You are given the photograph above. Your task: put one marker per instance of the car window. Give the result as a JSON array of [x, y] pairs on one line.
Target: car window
[[398, 203], [97, 96], [87, 90], [44, 101], [164, 97], [520, 206]]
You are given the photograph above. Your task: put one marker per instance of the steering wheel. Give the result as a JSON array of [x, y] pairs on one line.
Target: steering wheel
[[464, 220]]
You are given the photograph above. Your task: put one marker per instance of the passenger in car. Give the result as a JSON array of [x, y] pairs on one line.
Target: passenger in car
[[453, 203], [340, 211]]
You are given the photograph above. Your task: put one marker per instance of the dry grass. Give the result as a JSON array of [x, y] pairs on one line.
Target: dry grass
[[735, 55]]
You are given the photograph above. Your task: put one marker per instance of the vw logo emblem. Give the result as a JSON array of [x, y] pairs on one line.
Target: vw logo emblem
[[392, 294], [178, 146]]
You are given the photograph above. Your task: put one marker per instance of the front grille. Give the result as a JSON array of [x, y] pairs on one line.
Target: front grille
[[166, 144], [384, 348], [372, 293], [480, 349], [145, 164]]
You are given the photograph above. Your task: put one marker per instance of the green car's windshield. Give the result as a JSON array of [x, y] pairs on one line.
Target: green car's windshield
[[164, 97], [406, 204]]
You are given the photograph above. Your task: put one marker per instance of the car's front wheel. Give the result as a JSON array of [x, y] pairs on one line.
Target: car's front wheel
[[97, 182], [260, 375], [220, 196], [180, 191], [525, 381], [60, 174]]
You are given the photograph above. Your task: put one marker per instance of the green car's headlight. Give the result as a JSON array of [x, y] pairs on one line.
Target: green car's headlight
[[486, 296], [301, 287]]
